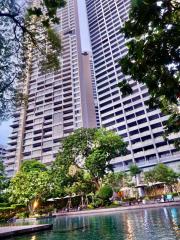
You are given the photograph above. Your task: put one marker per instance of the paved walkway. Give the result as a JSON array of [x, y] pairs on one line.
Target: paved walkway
[[11, 231], [119, 209]]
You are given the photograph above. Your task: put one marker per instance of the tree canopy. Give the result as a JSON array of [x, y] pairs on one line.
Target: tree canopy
[[90, 150], [134, 170], [31, 182], [117, 180], [152, 34], [32, 165], [24, 29], [162, 173]]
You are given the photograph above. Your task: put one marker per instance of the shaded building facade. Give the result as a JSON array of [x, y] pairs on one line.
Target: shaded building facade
[[140, 127], [57, 101]]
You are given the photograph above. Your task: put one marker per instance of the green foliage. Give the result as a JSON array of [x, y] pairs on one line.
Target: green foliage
[[134, 170], [2, 205], [20, 33], [80, 184], [149, 176], [162, 173], [96, 163], [54, 39], [32, 165], [3, 179], [90, 150], [90, 206], [97, 202], [30, 183], [51, 8], [22, 215], [153, 59], [115, 180], [18, 206], [8, 212], [125, 88], [105, 193]]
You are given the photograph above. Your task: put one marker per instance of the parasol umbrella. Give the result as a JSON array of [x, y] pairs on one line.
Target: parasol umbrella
[[50, 200], [57, 198]]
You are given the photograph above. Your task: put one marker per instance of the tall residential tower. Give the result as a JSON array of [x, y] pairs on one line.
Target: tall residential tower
[[141, 127], [58, 102]]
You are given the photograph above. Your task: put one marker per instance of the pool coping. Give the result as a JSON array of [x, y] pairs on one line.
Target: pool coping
[[118, 209], [11, 231]]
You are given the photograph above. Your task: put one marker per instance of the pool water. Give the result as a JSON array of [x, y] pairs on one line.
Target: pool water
[[146, 224]]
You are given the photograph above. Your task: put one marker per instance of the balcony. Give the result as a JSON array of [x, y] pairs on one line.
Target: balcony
[[137, 145], [156, 130], [12, 142], [47, 159], [12, 148], [10, 167], [11, 154], [9, 161], [15, 124], [13, 135], [149, 152], [165, 148], [139, 154], [122, 158], [170, 158]]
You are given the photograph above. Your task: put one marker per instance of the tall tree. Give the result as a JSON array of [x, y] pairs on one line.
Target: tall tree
[[162, 173], [31, 183], [92, 151], [116, 180], [153, 37], [134, 170], [21, 31]]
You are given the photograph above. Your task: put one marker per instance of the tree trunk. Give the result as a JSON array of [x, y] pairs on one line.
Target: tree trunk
[[140, 189], [96, 183]]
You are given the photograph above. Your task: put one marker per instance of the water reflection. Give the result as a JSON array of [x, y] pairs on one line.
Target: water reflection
[[33, 238], [148, 224]]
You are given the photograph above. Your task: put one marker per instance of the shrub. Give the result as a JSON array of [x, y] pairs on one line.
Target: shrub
[[90, 206], [22, 215], [2, 205], [97, 202], [7, 213], [115, 203], [18, 206], [6, 209], [175, 194], [105, 192]]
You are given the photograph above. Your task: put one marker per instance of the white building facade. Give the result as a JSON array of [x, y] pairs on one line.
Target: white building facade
[[57, 103], [140, 127]]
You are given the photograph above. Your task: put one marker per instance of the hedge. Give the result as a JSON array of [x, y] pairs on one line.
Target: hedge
[[8, 212]]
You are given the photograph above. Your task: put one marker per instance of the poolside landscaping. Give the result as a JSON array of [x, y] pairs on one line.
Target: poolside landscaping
[[71, 185]]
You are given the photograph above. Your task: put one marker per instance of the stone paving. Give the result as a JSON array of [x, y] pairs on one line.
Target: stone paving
[[10, 231]]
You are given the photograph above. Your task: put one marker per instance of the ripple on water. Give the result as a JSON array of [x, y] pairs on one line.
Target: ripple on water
[[144, 224]]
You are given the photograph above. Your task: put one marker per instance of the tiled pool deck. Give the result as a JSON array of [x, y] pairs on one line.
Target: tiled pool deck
[[11, 231]]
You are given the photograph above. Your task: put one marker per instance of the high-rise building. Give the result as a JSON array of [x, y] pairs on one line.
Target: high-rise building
[[2, 153], [58, 102], [140, 127]]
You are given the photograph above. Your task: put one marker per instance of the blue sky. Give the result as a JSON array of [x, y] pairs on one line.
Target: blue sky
[[5, 130]]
